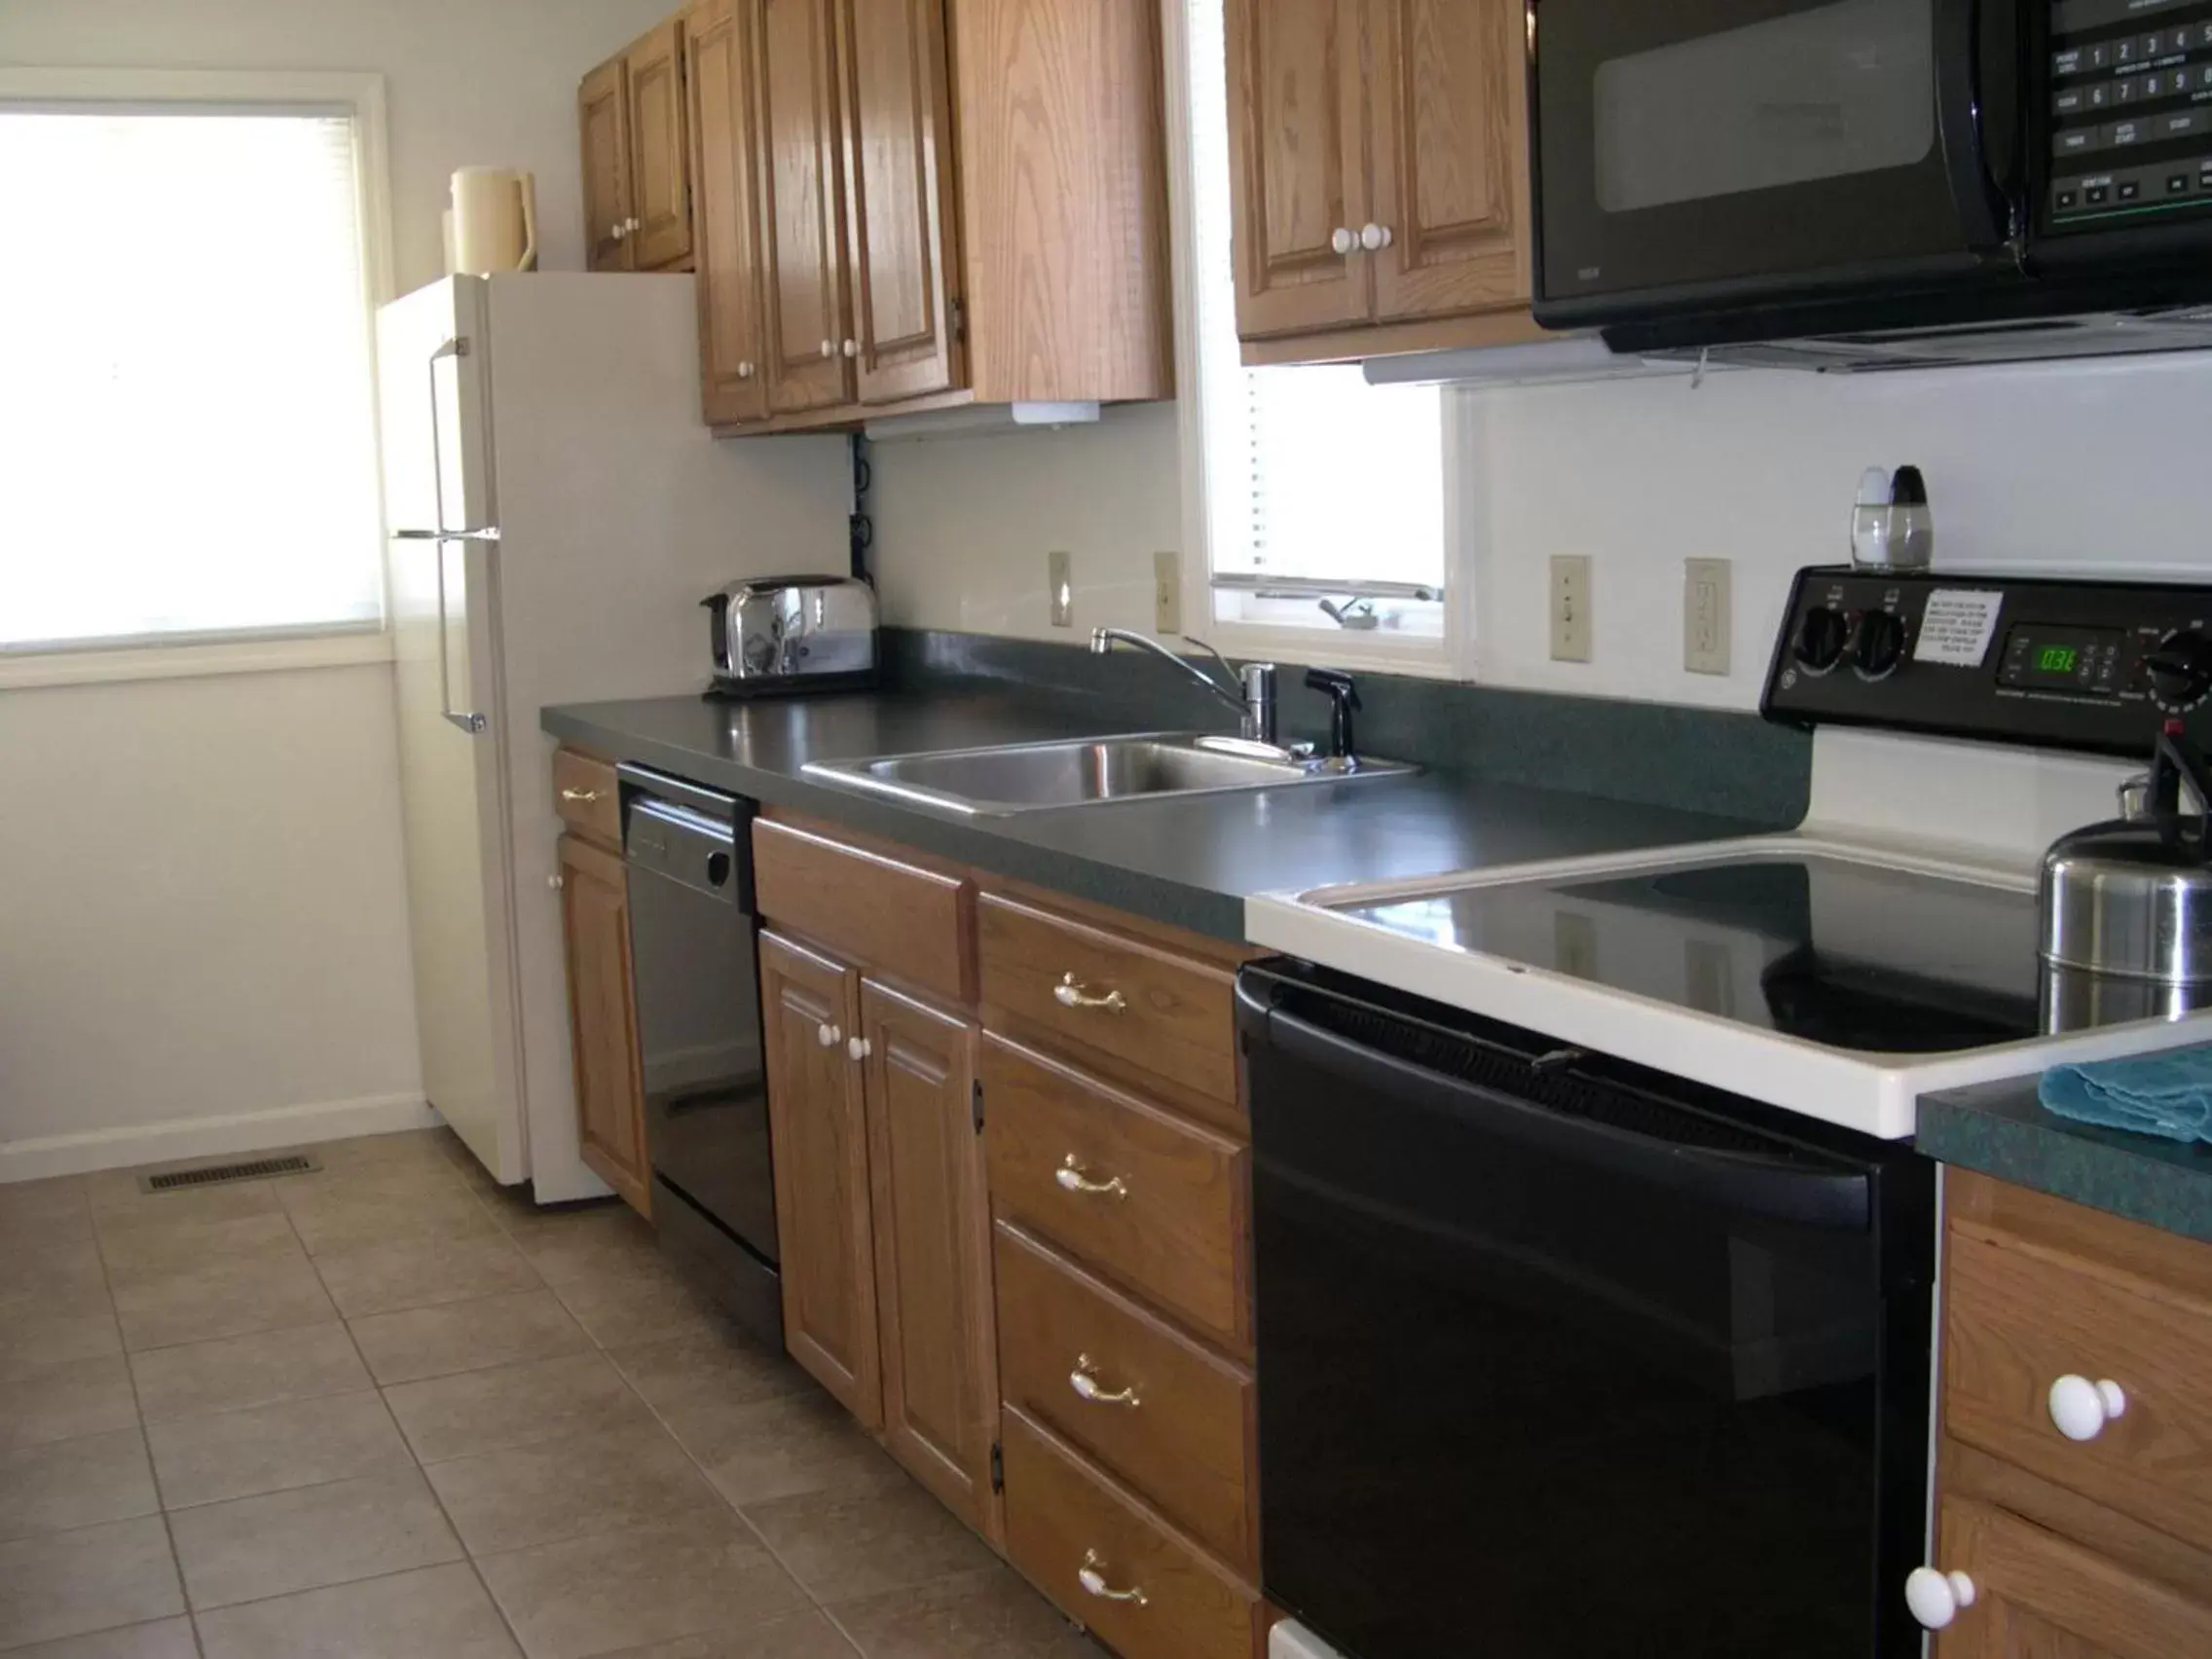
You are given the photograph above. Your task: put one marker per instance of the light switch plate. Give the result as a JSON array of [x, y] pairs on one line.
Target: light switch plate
[[1166, 593], [1707, 616], [1060, 578], [1570, 607]]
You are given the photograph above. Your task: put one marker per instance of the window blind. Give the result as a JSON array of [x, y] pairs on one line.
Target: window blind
[[187, 434]]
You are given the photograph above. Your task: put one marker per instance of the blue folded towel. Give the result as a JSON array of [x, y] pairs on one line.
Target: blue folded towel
[[2168, 1095]]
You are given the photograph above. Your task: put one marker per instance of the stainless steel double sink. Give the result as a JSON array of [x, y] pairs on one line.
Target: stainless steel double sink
[[1035, 777]]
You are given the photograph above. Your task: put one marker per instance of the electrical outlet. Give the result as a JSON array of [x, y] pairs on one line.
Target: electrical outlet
[[1707, 616], [1167, 593], [1570, 607], [1059, 580]]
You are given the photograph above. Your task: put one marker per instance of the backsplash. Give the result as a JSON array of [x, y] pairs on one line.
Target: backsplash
[[2036, 466], [1705, 760]]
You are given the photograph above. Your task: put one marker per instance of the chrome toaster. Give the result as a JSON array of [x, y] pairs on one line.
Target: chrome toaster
[[788, 634]]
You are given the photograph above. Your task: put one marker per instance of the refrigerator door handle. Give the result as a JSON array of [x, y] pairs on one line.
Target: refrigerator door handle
[[472, 723]]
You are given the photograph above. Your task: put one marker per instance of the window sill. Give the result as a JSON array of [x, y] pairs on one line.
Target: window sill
[[1421, 656], [350, 649]]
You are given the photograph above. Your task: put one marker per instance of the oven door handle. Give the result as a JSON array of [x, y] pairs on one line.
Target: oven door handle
[[1739, 1183], [1977, 197]]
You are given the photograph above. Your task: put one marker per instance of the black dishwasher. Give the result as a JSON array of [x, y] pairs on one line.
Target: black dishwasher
[[695, 972], [1566, 1359]]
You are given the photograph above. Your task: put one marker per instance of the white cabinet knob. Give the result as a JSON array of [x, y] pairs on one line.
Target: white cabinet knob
[[859, 1048], [852, 347], [1346, 239], [1936, 1597], [1375, 237], [2081, 1408], [744, 371], [555, 882], [829, 1036], [632, 226], [829, 347], [620, 231]]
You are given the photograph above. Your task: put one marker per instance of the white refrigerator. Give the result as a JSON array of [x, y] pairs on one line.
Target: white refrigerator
[[555, 511]]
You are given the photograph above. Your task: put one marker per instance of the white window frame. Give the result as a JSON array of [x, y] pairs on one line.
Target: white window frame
[[1449, 657], [338, 644]]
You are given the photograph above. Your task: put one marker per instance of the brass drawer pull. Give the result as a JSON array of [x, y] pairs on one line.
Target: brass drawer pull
[[1071, 1177], [1094, 1582], [1084, 1381], [1070, 992], [582, 798]]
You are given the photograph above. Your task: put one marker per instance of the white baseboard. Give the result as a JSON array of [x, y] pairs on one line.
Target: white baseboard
[[211, 1137]]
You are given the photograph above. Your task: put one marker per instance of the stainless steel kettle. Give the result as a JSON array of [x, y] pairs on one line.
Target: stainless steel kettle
[[2127, 904]]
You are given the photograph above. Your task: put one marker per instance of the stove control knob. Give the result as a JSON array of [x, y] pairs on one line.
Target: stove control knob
[[2181, 671], [1821, 640], [1877, 649]]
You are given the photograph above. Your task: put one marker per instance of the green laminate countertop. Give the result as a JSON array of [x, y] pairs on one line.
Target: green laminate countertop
[[1999, 1130]]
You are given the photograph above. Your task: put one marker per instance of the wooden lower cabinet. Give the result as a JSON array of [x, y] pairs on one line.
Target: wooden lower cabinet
[[602, 1026], [817, 1118], [933, 1270], [2039, 1596], [1112, 1562]]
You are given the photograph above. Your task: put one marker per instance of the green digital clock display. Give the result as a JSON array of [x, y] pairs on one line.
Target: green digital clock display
[[2058, 659], [2076, 661]]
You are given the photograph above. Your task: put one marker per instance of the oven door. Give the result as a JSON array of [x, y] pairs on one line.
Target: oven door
[[1714, 155], [1584, 1377]]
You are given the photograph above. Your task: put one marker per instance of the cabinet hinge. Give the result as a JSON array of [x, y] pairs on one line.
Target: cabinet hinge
[[960, 320], [998, 1467], [975, 1104]]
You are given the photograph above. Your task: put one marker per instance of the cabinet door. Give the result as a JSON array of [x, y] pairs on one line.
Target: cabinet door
[[2039, 1596], [726, 149], [603, 116], [1449, 141], [1297, 175], [801, 234], [933, 1277], [897, 161], [810, 1011], [660, 186], [602, 1027]]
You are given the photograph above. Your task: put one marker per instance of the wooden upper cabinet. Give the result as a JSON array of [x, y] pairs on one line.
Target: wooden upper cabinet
[[933, 1266], [603, 1029], [2038, 1596], [898, 155], [802, 242], [718, 53], [603, 115], [1451, 179], [659, 156], [810, 1011], [1296, 130]]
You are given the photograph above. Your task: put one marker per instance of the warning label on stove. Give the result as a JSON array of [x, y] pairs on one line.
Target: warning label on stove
[[1958, 626]]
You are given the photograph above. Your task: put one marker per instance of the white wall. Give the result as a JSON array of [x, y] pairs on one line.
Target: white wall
[[203, 917], [2029, 467], [963, 525], [201, 897]]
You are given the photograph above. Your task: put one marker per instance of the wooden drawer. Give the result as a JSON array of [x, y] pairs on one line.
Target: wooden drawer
[[904, 922], [1126, 1008], [1183, 1438], [587, 797], [1064, 1520], [1170, 1221], [2021, 1311]]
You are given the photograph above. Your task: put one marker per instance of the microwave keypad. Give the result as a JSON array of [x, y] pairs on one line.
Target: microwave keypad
[[2131, 110]]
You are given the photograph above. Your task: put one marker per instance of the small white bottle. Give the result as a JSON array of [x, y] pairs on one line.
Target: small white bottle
[[1870, 521]]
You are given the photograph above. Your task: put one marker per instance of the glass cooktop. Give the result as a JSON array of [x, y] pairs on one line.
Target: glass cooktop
[[1811, 945]]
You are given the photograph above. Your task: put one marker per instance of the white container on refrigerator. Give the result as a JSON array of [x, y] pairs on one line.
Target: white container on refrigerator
[[555, 512]]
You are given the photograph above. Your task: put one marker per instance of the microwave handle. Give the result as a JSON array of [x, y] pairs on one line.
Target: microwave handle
[[1960, 128]]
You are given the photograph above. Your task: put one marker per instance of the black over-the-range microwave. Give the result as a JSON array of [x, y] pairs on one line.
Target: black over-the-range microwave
[[1863, 183]]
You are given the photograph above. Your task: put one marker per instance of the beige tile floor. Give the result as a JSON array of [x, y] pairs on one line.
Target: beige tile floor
[[388, 1412]]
